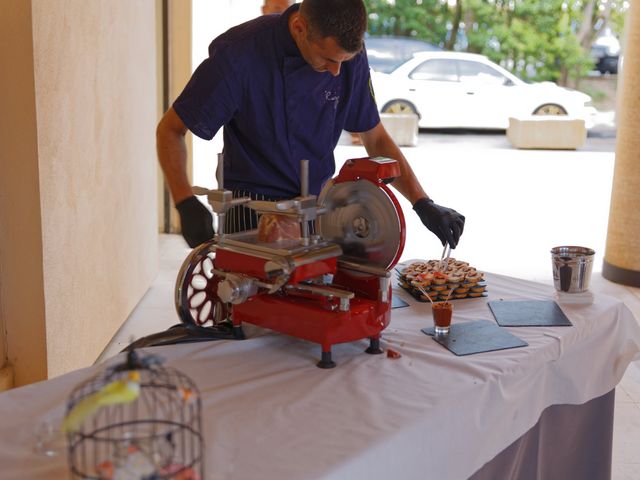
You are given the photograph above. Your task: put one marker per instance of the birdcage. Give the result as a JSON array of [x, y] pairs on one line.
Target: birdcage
[[137, 420]]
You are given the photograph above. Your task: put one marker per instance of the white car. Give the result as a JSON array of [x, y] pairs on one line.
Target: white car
[[466, 90]]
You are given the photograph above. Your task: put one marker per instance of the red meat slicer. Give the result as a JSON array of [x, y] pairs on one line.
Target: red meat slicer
[[330, 287]]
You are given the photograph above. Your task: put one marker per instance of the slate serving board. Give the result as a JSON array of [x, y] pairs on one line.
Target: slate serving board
[[476, 336], [398, 302], [528, 313]]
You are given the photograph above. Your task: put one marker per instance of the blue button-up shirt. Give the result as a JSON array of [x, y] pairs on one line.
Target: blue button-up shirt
[[276, 110]]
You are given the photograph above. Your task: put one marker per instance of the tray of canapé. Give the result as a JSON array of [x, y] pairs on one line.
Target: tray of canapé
[[438, 280]]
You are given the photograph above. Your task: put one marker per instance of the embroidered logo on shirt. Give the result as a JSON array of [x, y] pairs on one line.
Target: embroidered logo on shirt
[[332, 97], [373, 94]]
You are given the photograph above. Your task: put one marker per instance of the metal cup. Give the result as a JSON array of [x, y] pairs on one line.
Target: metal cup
[[572, 268]]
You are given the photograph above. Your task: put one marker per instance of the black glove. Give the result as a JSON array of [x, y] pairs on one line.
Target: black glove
[[196, 221], [445, 222]]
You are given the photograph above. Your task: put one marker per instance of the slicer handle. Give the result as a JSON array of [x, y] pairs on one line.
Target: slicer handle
[[304, 191], [220, 171], [264, 206], [343, 295], [200, 190], [304, 178]]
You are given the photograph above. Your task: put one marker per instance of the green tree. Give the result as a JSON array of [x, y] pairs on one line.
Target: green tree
[[426, 19], [535, 39]]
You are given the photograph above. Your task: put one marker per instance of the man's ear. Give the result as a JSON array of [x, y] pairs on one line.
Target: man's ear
[[298, 24]]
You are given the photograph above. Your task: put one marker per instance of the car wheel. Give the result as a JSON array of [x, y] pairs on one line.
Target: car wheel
[[399, 106], [550, 109]]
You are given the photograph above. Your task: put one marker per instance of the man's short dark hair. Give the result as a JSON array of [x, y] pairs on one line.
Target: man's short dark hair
[[344, 20]]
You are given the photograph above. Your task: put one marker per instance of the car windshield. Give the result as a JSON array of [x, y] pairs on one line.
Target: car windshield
[[388, 53], [480, 74], [452, 70]]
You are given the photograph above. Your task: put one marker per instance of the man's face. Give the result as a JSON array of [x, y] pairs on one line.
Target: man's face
[[323, 54], [275, 6]]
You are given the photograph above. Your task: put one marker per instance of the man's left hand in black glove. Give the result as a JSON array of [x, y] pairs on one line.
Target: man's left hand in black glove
[[445, 222], [196, 221]]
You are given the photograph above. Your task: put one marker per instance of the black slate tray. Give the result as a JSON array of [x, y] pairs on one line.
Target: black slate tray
[[476, 336], [528, 313], [398, 302]]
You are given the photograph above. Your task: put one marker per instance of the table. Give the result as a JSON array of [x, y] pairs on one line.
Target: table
[[270, 413]]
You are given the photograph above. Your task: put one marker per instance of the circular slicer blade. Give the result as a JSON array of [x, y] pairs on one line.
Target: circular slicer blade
[[363, 220]]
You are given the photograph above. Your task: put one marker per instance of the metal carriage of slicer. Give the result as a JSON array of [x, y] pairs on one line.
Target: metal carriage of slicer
[[327, 288]]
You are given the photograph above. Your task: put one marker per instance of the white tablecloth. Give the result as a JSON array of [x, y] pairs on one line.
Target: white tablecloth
[[270, 413]]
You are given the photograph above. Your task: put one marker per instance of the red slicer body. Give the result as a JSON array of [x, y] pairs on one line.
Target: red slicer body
[[327, 288]]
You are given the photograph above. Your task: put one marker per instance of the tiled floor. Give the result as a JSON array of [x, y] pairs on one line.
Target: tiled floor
[[626, 433]]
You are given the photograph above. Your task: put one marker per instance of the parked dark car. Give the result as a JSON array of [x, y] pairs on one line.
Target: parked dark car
[[386, 53], [605, 61]]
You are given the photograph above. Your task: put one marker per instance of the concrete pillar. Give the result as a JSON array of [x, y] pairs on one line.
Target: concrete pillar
[[622, 254], [22, 298]]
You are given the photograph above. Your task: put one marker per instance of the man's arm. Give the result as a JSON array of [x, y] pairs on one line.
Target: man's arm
[[445, 222], [195, 219], [172, 154], [379, 143]]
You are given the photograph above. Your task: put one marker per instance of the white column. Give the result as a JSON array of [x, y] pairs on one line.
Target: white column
[[622, 254]]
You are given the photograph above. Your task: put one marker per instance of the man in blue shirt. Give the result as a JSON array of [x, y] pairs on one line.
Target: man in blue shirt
[[284, 87]]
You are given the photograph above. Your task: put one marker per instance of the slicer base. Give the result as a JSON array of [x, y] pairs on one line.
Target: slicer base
[[326, 361], [374, 347], [238, 332]]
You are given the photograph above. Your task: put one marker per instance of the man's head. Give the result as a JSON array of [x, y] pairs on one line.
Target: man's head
[[344, 20], [329, 32], [275, 6]]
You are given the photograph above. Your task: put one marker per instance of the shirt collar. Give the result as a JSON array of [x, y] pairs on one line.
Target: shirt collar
[[289, 45]]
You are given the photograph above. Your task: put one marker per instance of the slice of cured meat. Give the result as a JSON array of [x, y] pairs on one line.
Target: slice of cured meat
[[275, 228]]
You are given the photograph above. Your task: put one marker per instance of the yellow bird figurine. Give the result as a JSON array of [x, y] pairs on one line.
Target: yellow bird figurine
[[125, 390]]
